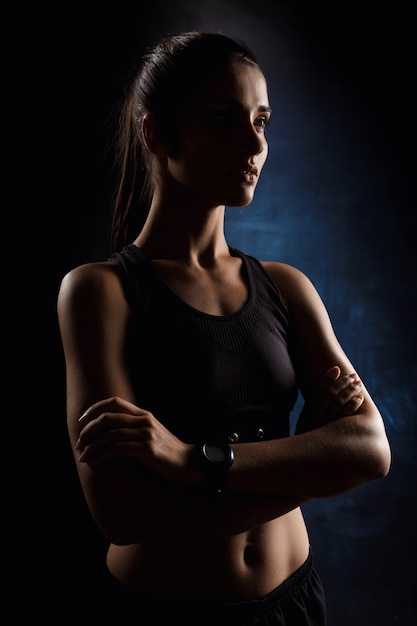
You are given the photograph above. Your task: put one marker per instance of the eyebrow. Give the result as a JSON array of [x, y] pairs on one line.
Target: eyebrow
[[236, 104]]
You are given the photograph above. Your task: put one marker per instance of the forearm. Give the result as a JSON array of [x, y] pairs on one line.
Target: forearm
[[324, 462], [167, 514], [138, 491], [131, 505]]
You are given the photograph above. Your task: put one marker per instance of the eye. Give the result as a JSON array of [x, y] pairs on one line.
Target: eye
[[262, 122], [221, 117]]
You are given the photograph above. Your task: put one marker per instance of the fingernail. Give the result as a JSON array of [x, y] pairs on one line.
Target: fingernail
[[82, 416]]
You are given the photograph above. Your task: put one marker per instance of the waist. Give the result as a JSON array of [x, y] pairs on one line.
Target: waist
[[243, 567]]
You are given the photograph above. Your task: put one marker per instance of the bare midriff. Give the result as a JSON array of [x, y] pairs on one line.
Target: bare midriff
[[243, 567]]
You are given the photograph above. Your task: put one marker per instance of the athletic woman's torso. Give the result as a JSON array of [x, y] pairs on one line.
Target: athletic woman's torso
[[205, 345], [243, 567]]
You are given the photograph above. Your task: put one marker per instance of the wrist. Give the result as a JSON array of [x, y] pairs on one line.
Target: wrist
[[192, 475], [216, 458]]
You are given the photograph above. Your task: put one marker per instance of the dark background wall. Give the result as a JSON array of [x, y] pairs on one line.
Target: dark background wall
[[336, 199]]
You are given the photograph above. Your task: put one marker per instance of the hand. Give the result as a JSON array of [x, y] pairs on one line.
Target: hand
[[336, 396], [117, 428]]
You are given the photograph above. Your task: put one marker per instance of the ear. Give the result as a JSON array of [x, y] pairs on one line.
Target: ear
[[152, 136]]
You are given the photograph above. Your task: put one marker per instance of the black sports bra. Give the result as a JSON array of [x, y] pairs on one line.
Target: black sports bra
[[230, 378]]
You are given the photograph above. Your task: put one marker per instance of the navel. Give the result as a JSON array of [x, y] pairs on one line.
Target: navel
[[251, 556]]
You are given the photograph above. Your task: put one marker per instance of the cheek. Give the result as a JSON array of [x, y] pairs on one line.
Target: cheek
[[190, 172], [263, 155], [196, 160]]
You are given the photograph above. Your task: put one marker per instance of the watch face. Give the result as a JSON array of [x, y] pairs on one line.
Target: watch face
[[215, 453]]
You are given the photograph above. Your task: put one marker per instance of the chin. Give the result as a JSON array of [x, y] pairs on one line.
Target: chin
[[240, 199], [241, 202]]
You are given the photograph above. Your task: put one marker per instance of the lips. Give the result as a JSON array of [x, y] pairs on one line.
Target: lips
[[249, 174], [251, 170]]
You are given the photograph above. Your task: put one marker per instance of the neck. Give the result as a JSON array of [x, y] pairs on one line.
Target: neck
[[183, 230]]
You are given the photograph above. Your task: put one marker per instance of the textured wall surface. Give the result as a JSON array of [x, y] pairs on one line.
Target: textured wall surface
[[336, 199]]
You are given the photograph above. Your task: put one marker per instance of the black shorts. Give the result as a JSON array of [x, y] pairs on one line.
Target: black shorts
[[298, 601]]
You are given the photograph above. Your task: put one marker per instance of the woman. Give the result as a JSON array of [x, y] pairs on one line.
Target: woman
[[184, 358]]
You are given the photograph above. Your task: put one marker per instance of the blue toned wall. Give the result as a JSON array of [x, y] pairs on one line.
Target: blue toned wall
[[336, 199]]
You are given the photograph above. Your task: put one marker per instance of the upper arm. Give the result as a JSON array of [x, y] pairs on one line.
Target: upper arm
[[318, 350], [93, 318], [316, 345]]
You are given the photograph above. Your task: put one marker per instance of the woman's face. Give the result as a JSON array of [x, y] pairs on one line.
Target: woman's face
[[223, 145]]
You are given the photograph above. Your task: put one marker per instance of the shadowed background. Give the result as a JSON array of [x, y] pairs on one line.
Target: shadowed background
[[336, 199]]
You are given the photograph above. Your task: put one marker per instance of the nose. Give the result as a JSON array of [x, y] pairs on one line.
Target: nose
[[253, 140]]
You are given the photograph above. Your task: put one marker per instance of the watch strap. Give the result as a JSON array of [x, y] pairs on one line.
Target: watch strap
[[215, 460]]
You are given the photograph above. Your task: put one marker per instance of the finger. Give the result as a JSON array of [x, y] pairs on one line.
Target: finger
[[108, 438], [335, 395], [350, 408], [111, 421], [94, 456], [328, 378], [316, 401], [353, 405], [325, 381], [344, 403], [112, 404], [342, 390]]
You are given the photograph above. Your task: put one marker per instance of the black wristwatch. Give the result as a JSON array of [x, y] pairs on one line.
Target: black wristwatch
[[216, 458]]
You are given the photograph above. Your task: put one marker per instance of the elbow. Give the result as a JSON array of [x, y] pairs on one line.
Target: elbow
[[118, 540], [113, 533], [373, 452], [121, 536], [115, 536], [376, 460], [113, 522], [381, 459], [370, 461], [117, 525], [128, 526]]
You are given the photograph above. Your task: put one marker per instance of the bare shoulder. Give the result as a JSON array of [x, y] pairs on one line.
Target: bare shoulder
[[294, 285], [282, 270], [96, 284], [95, 276], [93, 312]]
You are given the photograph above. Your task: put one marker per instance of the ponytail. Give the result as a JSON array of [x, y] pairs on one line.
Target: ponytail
[[132, 197]]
